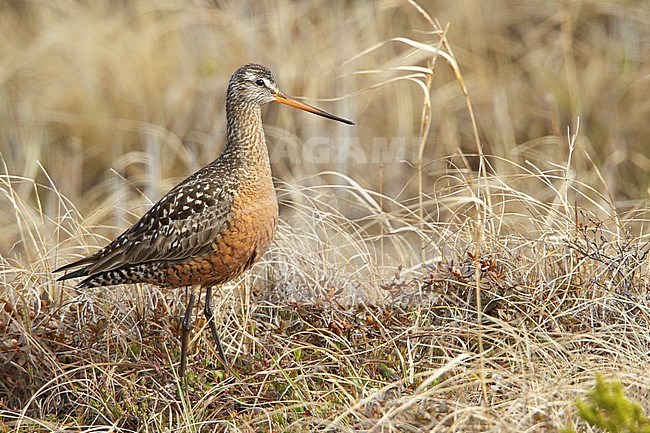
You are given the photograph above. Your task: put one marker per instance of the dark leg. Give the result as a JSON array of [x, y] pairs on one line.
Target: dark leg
[[213, 327], [185, 333]]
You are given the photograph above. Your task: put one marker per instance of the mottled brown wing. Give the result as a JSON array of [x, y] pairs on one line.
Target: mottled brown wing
[[182, 224]]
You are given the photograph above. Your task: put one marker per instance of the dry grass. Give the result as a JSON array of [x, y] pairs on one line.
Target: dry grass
[[431, 272]]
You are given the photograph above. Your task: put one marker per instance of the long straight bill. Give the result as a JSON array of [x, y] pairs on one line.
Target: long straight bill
[[288, 100]]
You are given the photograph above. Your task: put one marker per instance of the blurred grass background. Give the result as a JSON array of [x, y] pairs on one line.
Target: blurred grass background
[[475, 302], [117, 100]]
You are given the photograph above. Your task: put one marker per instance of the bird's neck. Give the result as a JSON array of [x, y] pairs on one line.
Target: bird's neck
[[244, 133]]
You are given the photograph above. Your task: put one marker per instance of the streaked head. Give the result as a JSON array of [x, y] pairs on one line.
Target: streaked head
[[256, 83]]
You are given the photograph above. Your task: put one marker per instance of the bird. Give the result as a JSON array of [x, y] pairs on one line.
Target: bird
[[212, 226]]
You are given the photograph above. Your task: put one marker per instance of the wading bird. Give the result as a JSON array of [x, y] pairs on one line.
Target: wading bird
[[213, 225]]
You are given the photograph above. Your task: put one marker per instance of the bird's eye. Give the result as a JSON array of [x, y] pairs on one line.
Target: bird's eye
[[260, 82]]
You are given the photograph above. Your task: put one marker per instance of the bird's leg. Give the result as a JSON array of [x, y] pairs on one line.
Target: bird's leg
[[185, 333], [209, 316]]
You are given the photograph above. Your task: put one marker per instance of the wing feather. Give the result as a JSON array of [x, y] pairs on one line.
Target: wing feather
[[182, 224]]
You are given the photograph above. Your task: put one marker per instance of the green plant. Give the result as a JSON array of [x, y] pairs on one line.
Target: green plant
[[607, 407]]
